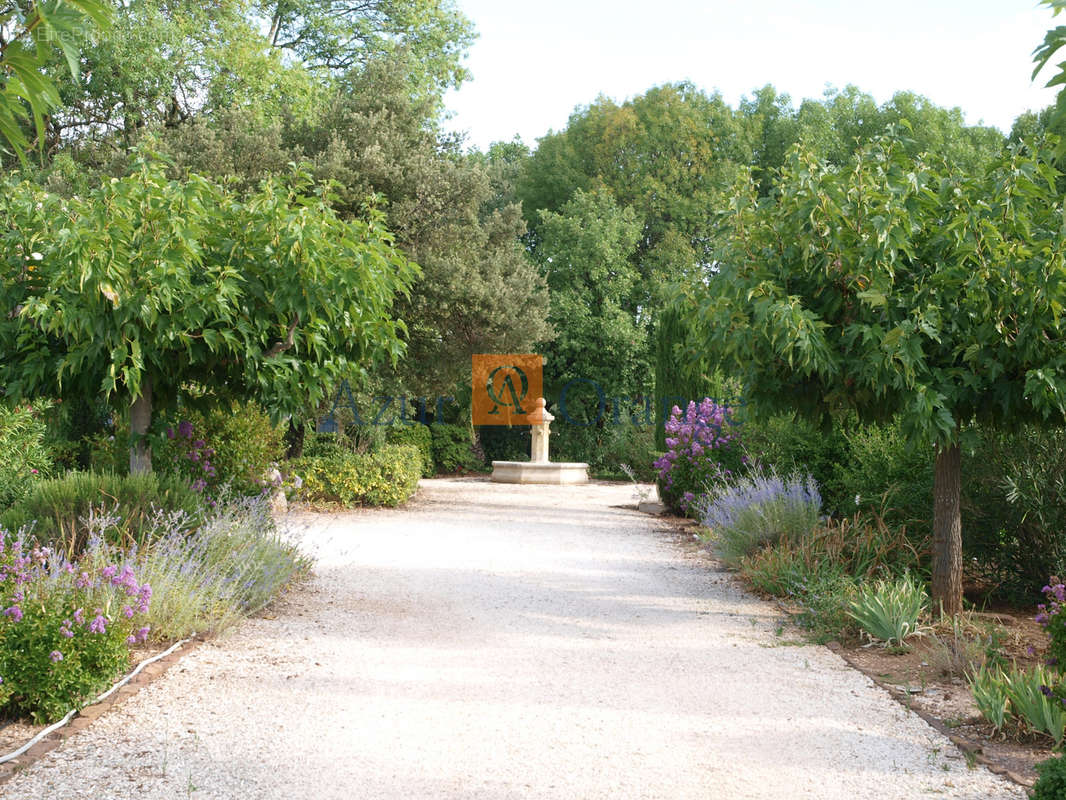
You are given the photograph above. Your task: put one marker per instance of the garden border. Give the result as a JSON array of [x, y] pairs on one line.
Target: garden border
[[135, 681]]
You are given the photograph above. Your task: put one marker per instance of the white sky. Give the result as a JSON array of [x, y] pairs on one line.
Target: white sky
[[536, 61]]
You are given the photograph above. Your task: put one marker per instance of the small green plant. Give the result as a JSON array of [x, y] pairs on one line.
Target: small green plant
[[1024, 697], [825, 600], [889, 609], [1033, 702], [960, 651], [452, 447], [1051, 785], [990, 693]]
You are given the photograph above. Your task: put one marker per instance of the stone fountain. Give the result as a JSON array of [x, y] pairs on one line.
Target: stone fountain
[[539, 469]]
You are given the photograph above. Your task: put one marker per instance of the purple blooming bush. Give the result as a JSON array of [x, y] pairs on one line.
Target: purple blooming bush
[[702, 449], [1051, 615], [751, 511], [231, 445], [67, 626], [185, 453]]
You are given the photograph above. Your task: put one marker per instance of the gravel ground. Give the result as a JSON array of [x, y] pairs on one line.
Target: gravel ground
[[495, 641]]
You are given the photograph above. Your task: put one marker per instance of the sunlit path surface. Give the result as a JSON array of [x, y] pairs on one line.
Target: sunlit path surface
[[497, 641]]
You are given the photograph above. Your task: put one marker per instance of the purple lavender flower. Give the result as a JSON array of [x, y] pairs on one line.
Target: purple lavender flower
[[14, 612], [55, 655], [99, 624], [79, 616], [185, 429]]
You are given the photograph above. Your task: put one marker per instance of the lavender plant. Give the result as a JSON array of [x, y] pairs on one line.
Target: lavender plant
[[233, 565], [703, 448], [67, 625], [749, 512]]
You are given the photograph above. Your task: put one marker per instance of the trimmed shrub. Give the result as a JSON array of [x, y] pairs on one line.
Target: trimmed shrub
[[500, 443], [418, 436], [452, 448], [388, 477], [703, 449], [24, 458], [59, 509]]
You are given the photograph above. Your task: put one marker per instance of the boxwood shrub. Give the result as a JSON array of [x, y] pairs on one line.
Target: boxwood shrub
[[387, 477]]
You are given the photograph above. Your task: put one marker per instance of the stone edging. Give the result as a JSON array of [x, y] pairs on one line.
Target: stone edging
[[961, 742], [86, 716]]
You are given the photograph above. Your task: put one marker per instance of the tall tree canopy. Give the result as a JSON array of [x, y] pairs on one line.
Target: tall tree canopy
[[29, 33], [899, 285], [147, 287], [168, 62], [585, 255]]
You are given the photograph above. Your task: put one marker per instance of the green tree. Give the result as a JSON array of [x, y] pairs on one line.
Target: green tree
[[666, 154], [28, 32], [149, 287], [897, 286], [171, 62], [584, 253]]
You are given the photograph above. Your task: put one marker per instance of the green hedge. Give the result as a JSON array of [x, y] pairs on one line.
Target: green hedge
[[418, 436], [58, 508], [452, 447], [388, 477]]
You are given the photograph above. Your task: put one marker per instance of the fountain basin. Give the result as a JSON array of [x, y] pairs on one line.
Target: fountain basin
[[558, 474]]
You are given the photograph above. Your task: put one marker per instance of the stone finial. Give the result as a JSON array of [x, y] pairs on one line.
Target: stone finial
[[539, 415], [540, 420]]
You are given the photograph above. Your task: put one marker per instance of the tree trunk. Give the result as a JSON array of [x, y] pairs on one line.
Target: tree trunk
[[295, 439], [140, 422], [947, 530]]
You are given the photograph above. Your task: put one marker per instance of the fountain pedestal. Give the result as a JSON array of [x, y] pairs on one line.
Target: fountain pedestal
[[539, 469]]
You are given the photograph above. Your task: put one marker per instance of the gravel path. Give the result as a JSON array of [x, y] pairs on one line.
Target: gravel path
[[508, 642]]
